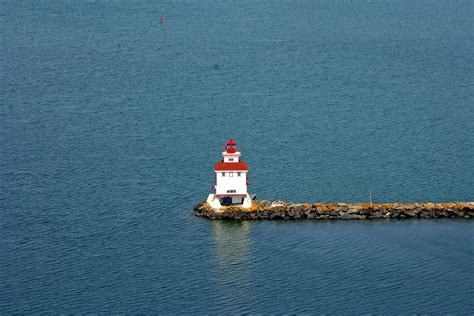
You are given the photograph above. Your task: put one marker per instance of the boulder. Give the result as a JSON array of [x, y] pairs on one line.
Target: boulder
[[295, 210], [425, 214], [410, 213], [457, 212], [377, 214], [263, 216], [395, 214], [345, 215], [354, 209], [295, 207], [429, 206], [311, 215], [343, 208]]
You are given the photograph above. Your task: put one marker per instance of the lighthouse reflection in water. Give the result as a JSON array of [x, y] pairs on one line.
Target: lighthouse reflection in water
[[232, 247]]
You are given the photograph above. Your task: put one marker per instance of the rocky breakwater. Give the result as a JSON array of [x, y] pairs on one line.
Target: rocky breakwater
[[282, 210]]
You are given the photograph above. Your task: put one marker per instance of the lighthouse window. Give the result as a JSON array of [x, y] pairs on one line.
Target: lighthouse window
[[231, 159], [231, 191], [238, 174], [223, 174], [231, 174]]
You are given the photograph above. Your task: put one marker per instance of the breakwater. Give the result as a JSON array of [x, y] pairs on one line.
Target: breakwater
[[281, 210]]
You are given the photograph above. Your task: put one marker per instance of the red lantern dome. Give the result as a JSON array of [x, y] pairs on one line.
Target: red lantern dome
[[230, 148]]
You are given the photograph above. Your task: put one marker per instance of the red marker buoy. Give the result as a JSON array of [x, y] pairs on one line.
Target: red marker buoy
[[161, 20]]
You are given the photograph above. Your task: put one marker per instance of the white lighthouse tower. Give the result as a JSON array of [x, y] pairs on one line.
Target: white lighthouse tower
[[231, 179]]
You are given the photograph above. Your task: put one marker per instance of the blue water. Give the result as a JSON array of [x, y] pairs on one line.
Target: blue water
[[110, 124]]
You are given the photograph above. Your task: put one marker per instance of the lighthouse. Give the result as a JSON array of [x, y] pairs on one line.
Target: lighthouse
[[231, 179]]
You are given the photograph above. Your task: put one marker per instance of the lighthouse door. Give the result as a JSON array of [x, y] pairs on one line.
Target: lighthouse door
[[226, 201]]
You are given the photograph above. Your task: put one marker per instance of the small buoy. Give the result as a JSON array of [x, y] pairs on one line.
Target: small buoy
[[161, 19]]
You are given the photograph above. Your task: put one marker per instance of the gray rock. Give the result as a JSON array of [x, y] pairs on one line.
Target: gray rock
[[344, 215], [296, 208], [377, 214], [311, 215], [354, 209], [410, 213], [342, 208]]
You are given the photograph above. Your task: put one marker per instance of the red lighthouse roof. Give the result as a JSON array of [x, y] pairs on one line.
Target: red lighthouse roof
[[231, 142], [231, 166]]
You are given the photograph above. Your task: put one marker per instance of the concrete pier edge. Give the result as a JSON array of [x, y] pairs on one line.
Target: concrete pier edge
[[263, 209]]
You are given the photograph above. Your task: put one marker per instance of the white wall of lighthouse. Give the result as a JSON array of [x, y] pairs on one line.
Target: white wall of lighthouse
[[231, 182], [231, 158]]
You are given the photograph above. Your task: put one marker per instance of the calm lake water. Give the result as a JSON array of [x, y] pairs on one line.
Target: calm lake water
[[110, 124]]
